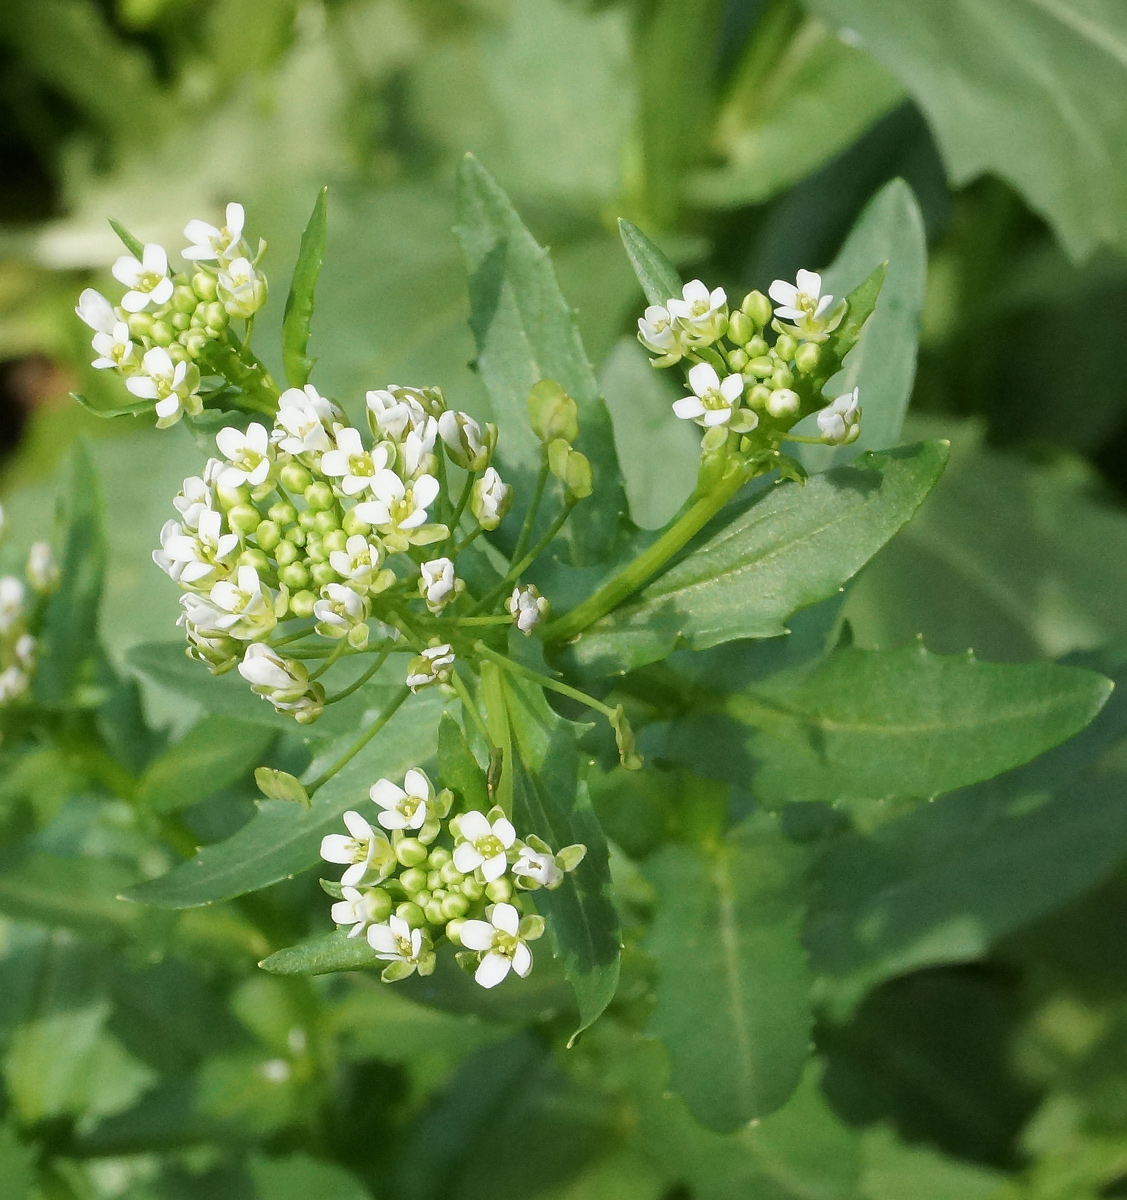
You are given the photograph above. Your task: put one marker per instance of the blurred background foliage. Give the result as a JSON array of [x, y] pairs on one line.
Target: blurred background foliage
[[973, 1050]]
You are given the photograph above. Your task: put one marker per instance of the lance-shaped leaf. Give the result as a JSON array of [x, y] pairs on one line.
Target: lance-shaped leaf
[[284, 838], [791, 548], [70, 622], [299, 303], [733, 1002], [657, 275], [550, 801], [322, 955], [526, 332], [879, 724]]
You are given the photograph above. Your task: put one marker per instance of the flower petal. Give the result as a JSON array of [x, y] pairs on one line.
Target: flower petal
[[506, 918], [703, 379], [493, 969], [476, 935]]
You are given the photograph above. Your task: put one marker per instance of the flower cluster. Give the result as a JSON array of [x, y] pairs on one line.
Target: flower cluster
[[169, 324], [311, 529], [418, 875], [20, 604], [739, 381]]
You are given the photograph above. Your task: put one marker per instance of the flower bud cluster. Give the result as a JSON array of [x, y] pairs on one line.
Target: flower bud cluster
[[167, 324], [418, 876], [20, 605], [739, 380], [315, 529]]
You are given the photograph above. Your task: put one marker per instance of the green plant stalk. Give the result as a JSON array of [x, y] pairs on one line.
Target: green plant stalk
[[526, 529], [515, 572], [545, 681], [393, 706], [355, 687]]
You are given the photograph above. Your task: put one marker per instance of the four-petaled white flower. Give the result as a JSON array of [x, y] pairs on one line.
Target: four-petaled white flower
[[241, 288], [242, 606], [115, 350], [438, 584], [358, 909], [280, 680], [813, 315], [416, 453], [406, 949], [484, 844], [354, 467], [465, 441], [658, 331], [490, 499], [247, 454], [399, 510], [537, 868], [391, 416], [701, 315], [366, 851], [96, 311], [503, 939], [209, 244], [197, 494], [433, 665], [359, 563], [342, 612], [527, 607], [840, 422], [405, 807], [148, 280], [301, 426], [714, 401], [199, 557], [171, 385]]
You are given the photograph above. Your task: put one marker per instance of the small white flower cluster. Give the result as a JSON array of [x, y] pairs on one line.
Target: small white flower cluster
[[740, 382], [313, 522], [418, 875], [167, 322], [18, 617]]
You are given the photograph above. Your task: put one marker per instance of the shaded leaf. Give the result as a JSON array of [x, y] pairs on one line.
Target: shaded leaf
[[298, 314], [657, 275], [334, 951]]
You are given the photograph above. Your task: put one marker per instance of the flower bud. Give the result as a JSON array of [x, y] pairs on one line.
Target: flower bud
[[756, 398], [738, 360], [411, 913], [326, 519], [571, 468], [758, 308], [295, 478], [286, 552], [466, 443], [162, 333], [319, 496], [500, 891], [806, 358], [782, 378], [243, 518], [741, 328], [410, 852], [301, 603], [184, 300], [760, 368], [194, 342], [490, 499], [786, 346], [280, 785], [757, 347], [295, 576], [783, 404], [267, 534], [414, 879], [203, 285], [42, 571], [254, 558], [554, 414], [140, 325], [454, 906], [433, 666], [283, 513], [528, 608]]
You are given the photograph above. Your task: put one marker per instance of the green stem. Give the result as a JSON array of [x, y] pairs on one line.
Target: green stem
[[296, 636], [339, 649], [369, 733], [463, 500], [515, 572], [806, 441], [533, 508], [460, 546], [470, 705], [499, 619], [650, 561], [546, 681], [355, 687]]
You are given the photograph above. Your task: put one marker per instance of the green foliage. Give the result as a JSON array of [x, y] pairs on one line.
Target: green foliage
[[657, 275], [298, 314]]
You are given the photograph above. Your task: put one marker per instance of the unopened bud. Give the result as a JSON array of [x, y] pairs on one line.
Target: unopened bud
[[806, 358], [783, 404], [280, 785], [741, 328], [42, 570], [786, 346], [571, 468], [554, 414], [758, 308], [738, 360]]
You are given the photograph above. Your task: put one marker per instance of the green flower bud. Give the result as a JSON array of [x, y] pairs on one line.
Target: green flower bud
[[314, 550], [571, 468], [254, 558], [285, 553], [741, 328], [217, 318], [714, 439], [433, 911], [203, 285], [380, 902], [454, 930], [295, 478], [267, 534], [784, 404], [319, 496], [177, 352], [757, 347], [411, 913], [806, 358], [352, 524], [786, 346], [554, 414], [439, 857], [243, 517], [281, 785], [335, 539], [301, 603], [140, 324], [230, 497], [410, 852], [325, 520], [499, 891], [180, 322], [184, 299], [782, 378], [434, 882], [472, 890], [756, 398], [758, 308], [194, 341], [295, 576], [450, 873], [738, 360], [162, 333], [761, 368], [283, 513], [323, 574], [454, 907], [414, 879], [305, 521]]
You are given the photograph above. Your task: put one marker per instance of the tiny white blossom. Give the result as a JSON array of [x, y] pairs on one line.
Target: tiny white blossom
[[484, 844], [416, 453], [528, 608], [96, 311], [197, 493], [42, 571], [438, 584], [241, 288], [713, 401], [658, 331], [171, 385], [840, 422], [813, 315], [12, 596], [399, 510], [405, 807], [148, 280], [302, 424], [503, 939], [247, 454], [115, 350], [433, 665], [365, 850], [359, 564], [391, 416], [358, 909], [490, 499], [538, 868], [701, 315], [280, 680], [209, 244], [468, 445], [406, 949], [342, 612], [244, 608], [351, 464], [199, 557]]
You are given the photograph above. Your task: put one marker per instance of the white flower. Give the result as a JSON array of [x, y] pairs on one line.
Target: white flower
[[468, 446], [406, 949], [701, 315], [359, 909], [115, 350], [359, 563], [483, 844], [365, 850], [490, 499], [405, 807], [171, 385], [247, 454], [241, 288], [301, 426], [42, 571], [503, 939], [528, 608], [244, 608], [538, 868], [199, 557], [399, 510], [147, 280], [11, 603], [438, 584], [13, 683], [392, 416], [658, 331], [342, 612], [815, 316], [96, 311], [218, 652], [432, 666], [351, 464], [714, 401], [197, 493], [280, 680], [416, 454], [840, 422], [209, 243], [783, 403]]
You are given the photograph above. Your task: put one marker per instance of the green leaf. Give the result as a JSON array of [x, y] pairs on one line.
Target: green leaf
[[525, 332], [795, 545], [299, 1177], [123, 410], [69, 635], [882, 724], [322, 955], [657, 275], [550, 801], [895, 1171], [81, 894], [733, 1001], [17, 1165], [458, 768], [215, 752], [300, 301], [283, 839], [883, 362], [132, 244], [973, 64]]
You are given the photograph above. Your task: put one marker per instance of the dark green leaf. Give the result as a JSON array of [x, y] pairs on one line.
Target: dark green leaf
[[525, 332], [322, 955], [68, 893], [733, 1001], [657, 275], [457, 767], [550, 801], [794, 546], [300, 301], [17, 1165]]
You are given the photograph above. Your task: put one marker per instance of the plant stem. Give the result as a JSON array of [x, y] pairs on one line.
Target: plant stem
[[533, 508], [546, 681], [463, 500], [338, 650], [470, 705], [515, 572], [369, 733], [355, 687]]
